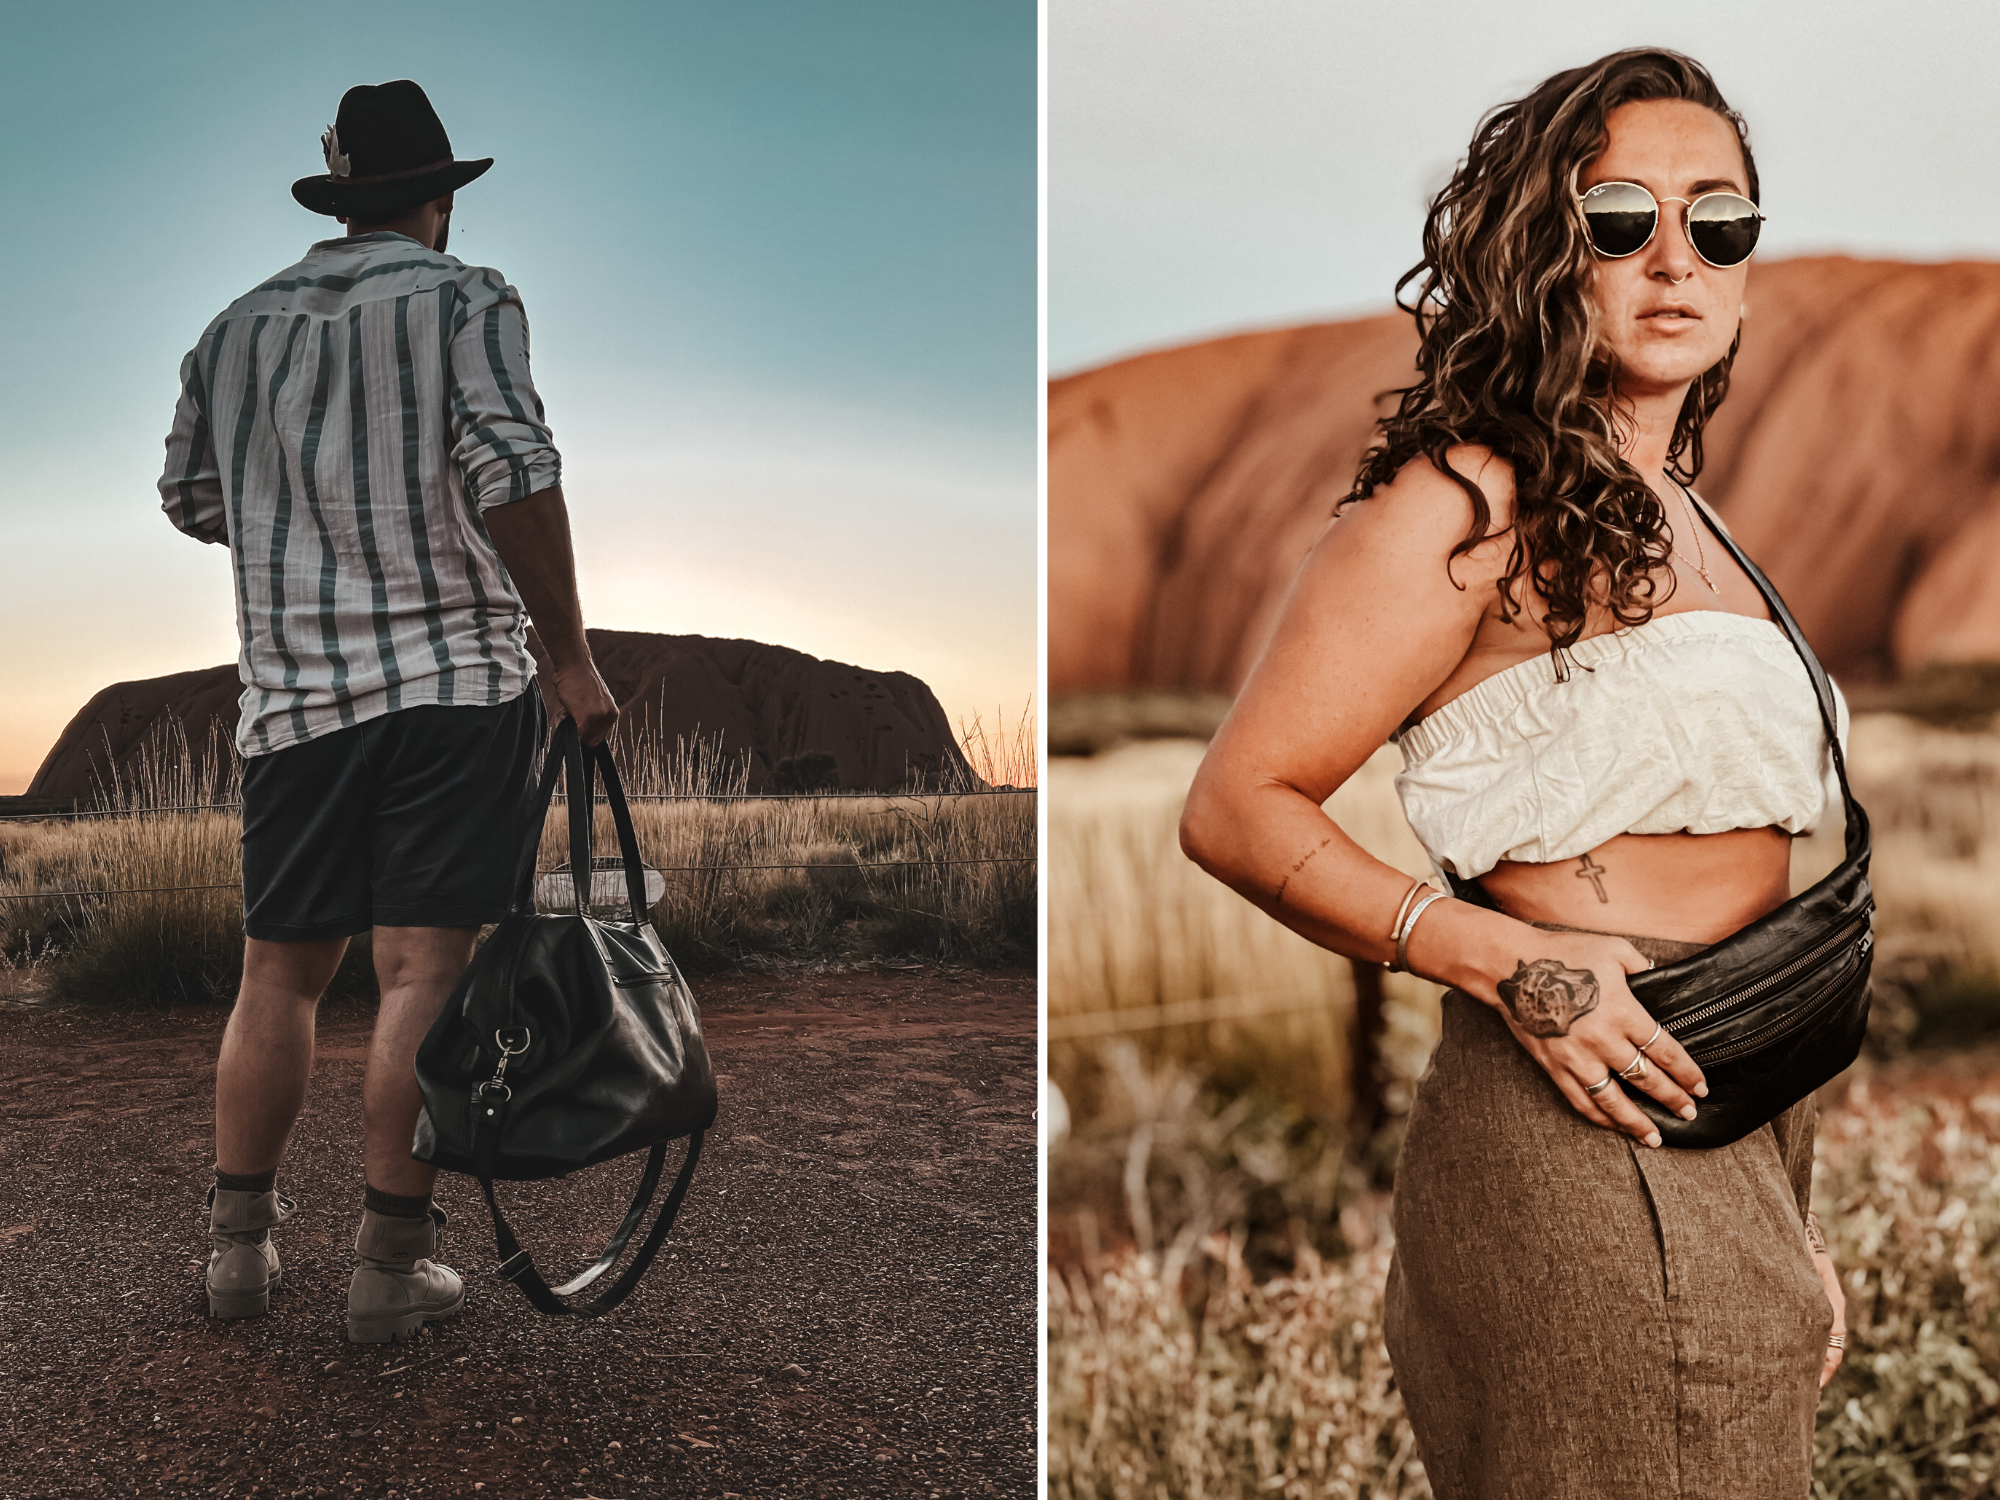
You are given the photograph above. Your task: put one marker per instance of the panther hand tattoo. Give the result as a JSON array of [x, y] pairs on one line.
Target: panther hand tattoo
[[1547, 999]]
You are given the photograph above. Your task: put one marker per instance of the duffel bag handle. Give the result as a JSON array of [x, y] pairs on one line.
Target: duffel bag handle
[[566, 754]]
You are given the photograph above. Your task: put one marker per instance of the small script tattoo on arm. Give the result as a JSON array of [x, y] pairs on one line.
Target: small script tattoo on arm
[[1278, 899], [1545, 998]]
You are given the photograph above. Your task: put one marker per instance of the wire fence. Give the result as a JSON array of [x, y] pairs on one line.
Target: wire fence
[[829, 865], [843, 796], [1243, 1005]]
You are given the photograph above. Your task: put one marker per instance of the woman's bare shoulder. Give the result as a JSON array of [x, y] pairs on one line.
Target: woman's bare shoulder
[[1426, 511]]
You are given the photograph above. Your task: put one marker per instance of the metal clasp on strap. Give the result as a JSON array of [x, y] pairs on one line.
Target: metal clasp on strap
[[512, 1042], [515, 1264]]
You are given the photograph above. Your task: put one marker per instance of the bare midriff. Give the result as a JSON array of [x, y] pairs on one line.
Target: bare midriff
[[1697, 888]]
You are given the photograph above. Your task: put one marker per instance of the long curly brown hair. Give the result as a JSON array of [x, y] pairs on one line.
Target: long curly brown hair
[[1509, 359]]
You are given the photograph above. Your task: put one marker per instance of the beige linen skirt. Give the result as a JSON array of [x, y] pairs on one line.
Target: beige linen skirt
[[1575, 1316]]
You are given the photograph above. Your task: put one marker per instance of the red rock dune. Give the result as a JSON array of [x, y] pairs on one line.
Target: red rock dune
[[1857, 459], [773, 702]]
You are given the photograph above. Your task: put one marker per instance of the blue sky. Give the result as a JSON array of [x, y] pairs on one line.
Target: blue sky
[[779, 260], [1215, 167]]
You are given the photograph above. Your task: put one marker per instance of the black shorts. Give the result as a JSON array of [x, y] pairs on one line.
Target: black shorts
[[413, 819]]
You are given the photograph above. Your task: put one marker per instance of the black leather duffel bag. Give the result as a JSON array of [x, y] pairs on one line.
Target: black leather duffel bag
[[569, 1041]]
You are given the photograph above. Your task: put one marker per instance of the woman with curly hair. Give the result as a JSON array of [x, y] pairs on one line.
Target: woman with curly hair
[[1608, 749]]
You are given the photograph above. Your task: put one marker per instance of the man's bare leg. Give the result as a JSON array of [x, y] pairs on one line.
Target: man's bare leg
[[417, 968], [267, 1050]]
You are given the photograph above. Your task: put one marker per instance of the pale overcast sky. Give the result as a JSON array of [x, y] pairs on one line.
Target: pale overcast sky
[[1215, 167]]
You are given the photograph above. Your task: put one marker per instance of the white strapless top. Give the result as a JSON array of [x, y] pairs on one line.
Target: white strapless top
[[1698, 723]]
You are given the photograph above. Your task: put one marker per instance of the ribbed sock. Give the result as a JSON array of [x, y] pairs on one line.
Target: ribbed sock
[[254, 1182], [396, 1206]]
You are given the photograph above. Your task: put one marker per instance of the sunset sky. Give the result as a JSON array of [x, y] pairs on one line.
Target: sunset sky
[[1220, 167], [779, 259]]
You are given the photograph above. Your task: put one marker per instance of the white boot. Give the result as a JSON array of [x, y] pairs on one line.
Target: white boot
[[396, 1290], [242, 1261]]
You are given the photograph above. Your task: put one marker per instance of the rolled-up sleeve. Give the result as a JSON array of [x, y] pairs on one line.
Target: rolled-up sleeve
[[191, 483], [500, 441]]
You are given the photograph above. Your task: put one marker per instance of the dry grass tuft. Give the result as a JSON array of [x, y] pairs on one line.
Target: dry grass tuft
[[1141, 928], [1007, 757], [960, 887], [1910, 1195], [1278, 1387], [1176, 1370]]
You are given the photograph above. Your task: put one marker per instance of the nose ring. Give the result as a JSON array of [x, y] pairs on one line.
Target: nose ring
[[1672, 281]]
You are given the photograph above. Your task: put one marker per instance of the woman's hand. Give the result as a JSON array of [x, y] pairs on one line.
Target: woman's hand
[[1570, 1007], [1829, 1279]]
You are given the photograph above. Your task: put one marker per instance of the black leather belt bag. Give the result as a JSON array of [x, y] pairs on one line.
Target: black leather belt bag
[[1780, 1007], [569, 1041]]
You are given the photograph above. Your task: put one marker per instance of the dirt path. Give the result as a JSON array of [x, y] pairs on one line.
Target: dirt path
[[846, 1308]]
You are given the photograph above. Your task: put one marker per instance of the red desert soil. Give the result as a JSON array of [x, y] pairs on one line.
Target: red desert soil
[[1855, 459], [847, 1306]]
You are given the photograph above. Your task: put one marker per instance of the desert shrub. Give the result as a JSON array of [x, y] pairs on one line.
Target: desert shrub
[[1087, 723], [1910, 1197], [1956, 1007], [173, 933], [957, 882], [1279, 1387], [1167, 1160], [1219, 1351], [1176, 1370], [815, 771]]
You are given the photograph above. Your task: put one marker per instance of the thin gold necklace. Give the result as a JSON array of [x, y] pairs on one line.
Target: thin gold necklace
[[1701, 552]]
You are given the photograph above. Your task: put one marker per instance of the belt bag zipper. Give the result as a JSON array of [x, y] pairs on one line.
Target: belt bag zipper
[[1682, 1024], [1799, 1016]]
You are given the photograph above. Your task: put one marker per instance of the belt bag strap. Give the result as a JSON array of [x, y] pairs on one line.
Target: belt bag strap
[[1472, 892], [1829, 712]]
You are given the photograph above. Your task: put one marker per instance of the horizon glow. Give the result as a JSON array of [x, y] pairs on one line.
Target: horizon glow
[[780, 268]]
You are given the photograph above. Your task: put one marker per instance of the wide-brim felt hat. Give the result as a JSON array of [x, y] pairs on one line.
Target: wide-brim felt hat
[[386, 152]]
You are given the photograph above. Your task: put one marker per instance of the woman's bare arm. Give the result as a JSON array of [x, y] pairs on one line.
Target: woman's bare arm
[[1373, 626]]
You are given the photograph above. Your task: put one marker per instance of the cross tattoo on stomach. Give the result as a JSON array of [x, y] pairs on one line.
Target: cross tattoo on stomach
[[1595, 875]]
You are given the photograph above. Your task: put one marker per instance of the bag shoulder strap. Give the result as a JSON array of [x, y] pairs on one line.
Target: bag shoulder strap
[[1829, 711], [1857, 841]]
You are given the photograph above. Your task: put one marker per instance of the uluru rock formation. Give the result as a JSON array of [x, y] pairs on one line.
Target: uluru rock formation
[[793, 714], [1857, 459]]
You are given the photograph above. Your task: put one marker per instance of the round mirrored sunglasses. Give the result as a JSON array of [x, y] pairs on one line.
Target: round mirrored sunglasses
[[1621, 218]]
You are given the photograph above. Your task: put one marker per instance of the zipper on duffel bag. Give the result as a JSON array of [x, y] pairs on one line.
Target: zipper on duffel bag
[[1799, 1016]]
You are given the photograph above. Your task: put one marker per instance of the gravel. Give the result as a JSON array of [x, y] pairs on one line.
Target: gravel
[[847, 1306]]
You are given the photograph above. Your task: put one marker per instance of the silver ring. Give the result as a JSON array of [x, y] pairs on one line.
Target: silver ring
[[1636, 1069], [1594, 1089], [1653, 1038], [1836, 1341]]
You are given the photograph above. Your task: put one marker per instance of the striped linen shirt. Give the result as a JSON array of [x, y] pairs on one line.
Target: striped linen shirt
[[341, 428]]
